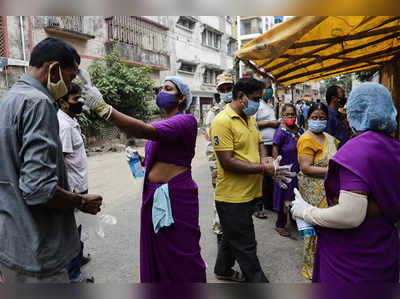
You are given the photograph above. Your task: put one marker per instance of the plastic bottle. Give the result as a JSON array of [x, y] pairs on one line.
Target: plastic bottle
[[305, 229], [134, 163]]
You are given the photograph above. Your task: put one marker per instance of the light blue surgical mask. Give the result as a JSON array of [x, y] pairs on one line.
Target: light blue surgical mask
[[317, 126], [226, 97], [252, 107]]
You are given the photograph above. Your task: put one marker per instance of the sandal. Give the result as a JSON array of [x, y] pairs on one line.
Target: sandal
[[236, 276], [283, 232], [260, 215]]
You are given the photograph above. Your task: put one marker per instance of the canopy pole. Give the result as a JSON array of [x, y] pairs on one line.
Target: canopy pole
[[390, 78], [264, 75]]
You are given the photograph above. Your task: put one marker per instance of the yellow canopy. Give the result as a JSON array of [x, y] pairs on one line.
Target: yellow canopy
[[311, 48]]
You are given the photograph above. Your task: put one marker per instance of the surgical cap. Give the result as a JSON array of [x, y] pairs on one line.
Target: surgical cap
[[370, 107], [183, 88]]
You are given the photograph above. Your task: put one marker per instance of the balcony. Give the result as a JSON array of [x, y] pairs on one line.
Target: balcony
[[69, 26], [139, 40]]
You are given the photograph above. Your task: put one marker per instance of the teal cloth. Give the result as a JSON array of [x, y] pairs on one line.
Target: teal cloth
[[161, 213]]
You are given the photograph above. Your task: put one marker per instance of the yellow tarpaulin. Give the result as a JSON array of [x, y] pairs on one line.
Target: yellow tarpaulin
[[311, 48]]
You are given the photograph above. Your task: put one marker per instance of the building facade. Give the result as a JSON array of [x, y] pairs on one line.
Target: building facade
[[201, 48], [140, 40], [195, 48]]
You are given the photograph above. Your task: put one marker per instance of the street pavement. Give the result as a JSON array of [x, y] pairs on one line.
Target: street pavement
[[115, 257]]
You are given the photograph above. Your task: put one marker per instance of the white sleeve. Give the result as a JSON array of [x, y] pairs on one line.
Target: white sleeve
[[350, 212], [66, 140]]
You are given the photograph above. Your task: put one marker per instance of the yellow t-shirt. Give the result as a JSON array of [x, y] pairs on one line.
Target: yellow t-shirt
[[308, 146], [229, 132]]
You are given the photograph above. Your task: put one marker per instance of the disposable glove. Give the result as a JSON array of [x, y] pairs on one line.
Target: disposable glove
[[94, 100], [299, 205]]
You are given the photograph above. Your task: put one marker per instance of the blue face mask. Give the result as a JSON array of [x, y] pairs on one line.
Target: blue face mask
[[226, 97], [252, 107], [317, 126]]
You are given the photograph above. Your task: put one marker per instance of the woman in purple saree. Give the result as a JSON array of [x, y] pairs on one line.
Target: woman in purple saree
[[170, 232], [357, 237]]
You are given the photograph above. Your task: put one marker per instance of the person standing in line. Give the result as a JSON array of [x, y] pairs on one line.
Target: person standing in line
[[242, 161], [285, 145], [224, 88], [335, 98], [76, 165], [38, 229], [315, 148], [267, 124]]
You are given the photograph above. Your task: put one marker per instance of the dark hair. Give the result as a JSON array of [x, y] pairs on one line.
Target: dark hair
[[248, 86], [181, 106], [318, 106], [288, 105], [75, 88], [54, 49], [332, 91]]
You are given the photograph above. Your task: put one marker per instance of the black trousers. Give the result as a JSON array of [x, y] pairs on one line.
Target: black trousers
[[267, 198], [238, 241]]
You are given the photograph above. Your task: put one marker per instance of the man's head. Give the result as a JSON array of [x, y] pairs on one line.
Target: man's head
[[247, 93], [335, 97], [55, 64], [225, 87], [70, 103]]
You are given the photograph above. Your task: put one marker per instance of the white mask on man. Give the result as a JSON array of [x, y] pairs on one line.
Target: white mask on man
[[59, 89]]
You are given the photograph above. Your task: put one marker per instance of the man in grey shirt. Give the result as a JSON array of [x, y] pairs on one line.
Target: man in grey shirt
[[37, 226]]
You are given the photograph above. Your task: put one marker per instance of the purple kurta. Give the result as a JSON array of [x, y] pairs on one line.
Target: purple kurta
[[173, 254], [370, 252], [287, 143]]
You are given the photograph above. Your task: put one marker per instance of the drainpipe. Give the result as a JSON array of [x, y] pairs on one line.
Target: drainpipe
[[21, 23]]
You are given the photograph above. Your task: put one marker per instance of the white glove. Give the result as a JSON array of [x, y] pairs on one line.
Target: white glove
[[283, 175], [299, 205], [94, 100]]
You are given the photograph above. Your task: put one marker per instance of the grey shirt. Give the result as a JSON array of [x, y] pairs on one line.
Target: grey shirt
[[34, 240]]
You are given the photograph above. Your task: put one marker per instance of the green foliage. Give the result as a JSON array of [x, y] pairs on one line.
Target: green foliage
[[126, 88], [344, 81], [365, 75]]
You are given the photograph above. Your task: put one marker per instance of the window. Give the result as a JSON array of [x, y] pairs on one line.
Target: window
[[2, 39], [266, 26], [189, 68], [71, 23], [250, 26], [211, 38], [231, 47], [278, 19], [210, 76], [186, 22]]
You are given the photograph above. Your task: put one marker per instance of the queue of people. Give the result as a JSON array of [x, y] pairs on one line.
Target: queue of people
[[349, 194]]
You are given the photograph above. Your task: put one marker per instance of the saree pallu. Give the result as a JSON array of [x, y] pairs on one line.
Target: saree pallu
[[172, 254], [313, 192]]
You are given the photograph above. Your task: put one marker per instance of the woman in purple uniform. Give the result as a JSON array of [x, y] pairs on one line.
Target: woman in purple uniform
[[357, 237], [170, 232]]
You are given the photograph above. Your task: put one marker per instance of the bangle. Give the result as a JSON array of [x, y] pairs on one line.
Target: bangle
[[262, 168]]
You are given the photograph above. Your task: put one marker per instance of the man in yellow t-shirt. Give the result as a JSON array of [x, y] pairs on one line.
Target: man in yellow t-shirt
[[242, 160]]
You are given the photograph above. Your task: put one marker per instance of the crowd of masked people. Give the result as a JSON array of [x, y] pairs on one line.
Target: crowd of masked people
[[346, 188]]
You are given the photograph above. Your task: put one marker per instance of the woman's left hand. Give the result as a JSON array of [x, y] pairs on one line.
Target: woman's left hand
[[299, 205]]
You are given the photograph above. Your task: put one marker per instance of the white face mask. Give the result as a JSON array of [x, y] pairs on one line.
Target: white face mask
[[59, 89]]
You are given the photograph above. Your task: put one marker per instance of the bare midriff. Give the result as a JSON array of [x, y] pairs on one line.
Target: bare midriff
[[162, 172]]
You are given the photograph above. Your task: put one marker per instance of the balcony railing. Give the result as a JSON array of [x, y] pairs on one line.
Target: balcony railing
[[71, 23], [73, 26], [138, 32]]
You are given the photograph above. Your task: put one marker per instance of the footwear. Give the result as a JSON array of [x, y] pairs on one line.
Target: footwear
[[83, 278], [260, 215], [236, 276], [282, 231], [85, 260]]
